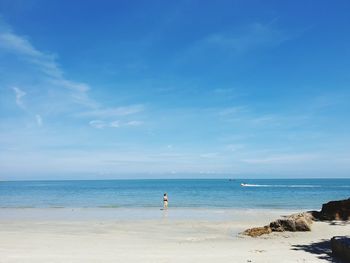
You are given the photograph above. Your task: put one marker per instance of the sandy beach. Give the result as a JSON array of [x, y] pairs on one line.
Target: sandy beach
[[132, 235]]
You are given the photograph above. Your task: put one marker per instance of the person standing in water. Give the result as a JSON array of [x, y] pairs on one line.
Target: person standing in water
[[165, 201]]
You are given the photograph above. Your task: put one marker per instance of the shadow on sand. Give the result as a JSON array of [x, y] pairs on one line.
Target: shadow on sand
[[338, 223], [322, 249]]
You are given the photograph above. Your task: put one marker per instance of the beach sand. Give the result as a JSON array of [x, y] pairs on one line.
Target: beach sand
[[179, 235]]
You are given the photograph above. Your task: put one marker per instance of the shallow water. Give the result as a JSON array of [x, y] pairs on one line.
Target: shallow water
[[261, 193]]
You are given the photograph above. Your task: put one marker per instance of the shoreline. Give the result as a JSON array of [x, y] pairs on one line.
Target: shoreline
[[139, 214]]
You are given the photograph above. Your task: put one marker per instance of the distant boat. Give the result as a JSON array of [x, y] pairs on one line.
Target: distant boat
[[244, 184]]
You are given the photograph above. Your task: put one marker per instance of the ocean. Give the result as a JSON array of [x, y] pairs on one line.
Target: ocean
[[198, 193]]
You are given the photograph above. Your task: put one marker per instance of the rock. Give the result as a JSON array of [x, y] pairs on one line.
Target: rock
[[293, 223], [302, 224], [336, 210], [315, 215], [257, 231], [282, 225], [307, 216], [341, 247], [302, 221], [333, 210]]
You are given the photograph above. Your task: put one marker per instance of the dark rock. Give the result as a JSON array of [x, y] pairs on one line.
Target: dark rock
[[315, 215], [336, 210], [282, 225], [293, 223], [341, 247]]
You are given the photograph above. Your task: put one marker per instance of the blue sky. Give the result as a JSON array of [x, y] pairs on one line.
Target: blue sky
[[172, 89]]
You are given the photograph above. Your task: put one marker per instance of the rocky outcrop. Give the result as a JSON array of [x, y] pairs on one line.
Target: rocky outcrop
[[302, 224], [282, 225], [335, 210], [293, 223], [341, 247], [307, 216]]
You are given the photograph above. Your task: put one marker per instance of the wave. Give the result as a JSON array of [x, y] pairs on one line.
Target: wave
[[281, 185]]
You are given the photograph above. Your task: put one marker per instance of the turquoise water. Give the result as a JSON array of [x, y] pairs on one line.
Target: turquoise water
[[262, 193]]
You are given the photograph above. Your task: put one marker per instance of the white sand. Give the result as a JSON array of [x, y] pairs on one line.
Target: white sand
[[164, 239]]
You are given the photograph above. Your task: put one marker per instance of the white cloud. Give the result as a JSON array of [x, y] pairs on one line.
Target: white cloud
[[281, 159], [112, 112], [19, 95], [233, 110], [209, 155], [234, 147], [265, 119], [100, 124], [39, 120], [19, 45], [75, 86], [114, 124], [252, 36], [133, 123], [61, 94], [46, 63]]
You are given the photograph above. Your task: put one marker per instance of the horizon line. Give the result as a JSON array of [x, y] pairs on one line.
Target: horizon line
[[173, 179]]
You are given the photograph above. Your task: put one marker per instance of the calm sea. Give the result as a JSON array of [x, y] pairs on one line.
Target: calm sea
[[263, 193]]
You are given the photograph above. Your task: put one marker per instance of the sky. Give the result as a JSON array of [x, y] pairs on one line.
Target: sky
[[174, 89]]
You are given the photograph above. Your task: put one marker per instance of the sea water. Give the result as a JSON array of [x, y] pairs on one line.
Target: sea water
[[196, 193]]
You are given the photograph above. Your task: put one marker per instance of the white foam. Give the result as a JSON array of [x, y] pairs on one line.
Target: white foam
[[280, 185]]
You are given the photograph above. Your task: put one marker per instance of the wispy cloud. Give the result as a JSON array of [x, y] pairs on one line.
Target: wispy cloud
[[112, 112], [255, 35], [45, 62], [234, 147], [98, 124], [39, 120], [22, 47], [209, 155], [19, 95], [134, 123], [266, 119], [60, 95], [281, 159], [101, 124], [232, 110], [114, 124], [227, 93]]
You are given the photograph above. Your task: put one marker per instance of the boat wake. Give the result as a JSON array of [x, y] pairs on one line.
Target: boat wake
[[280, 185]]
